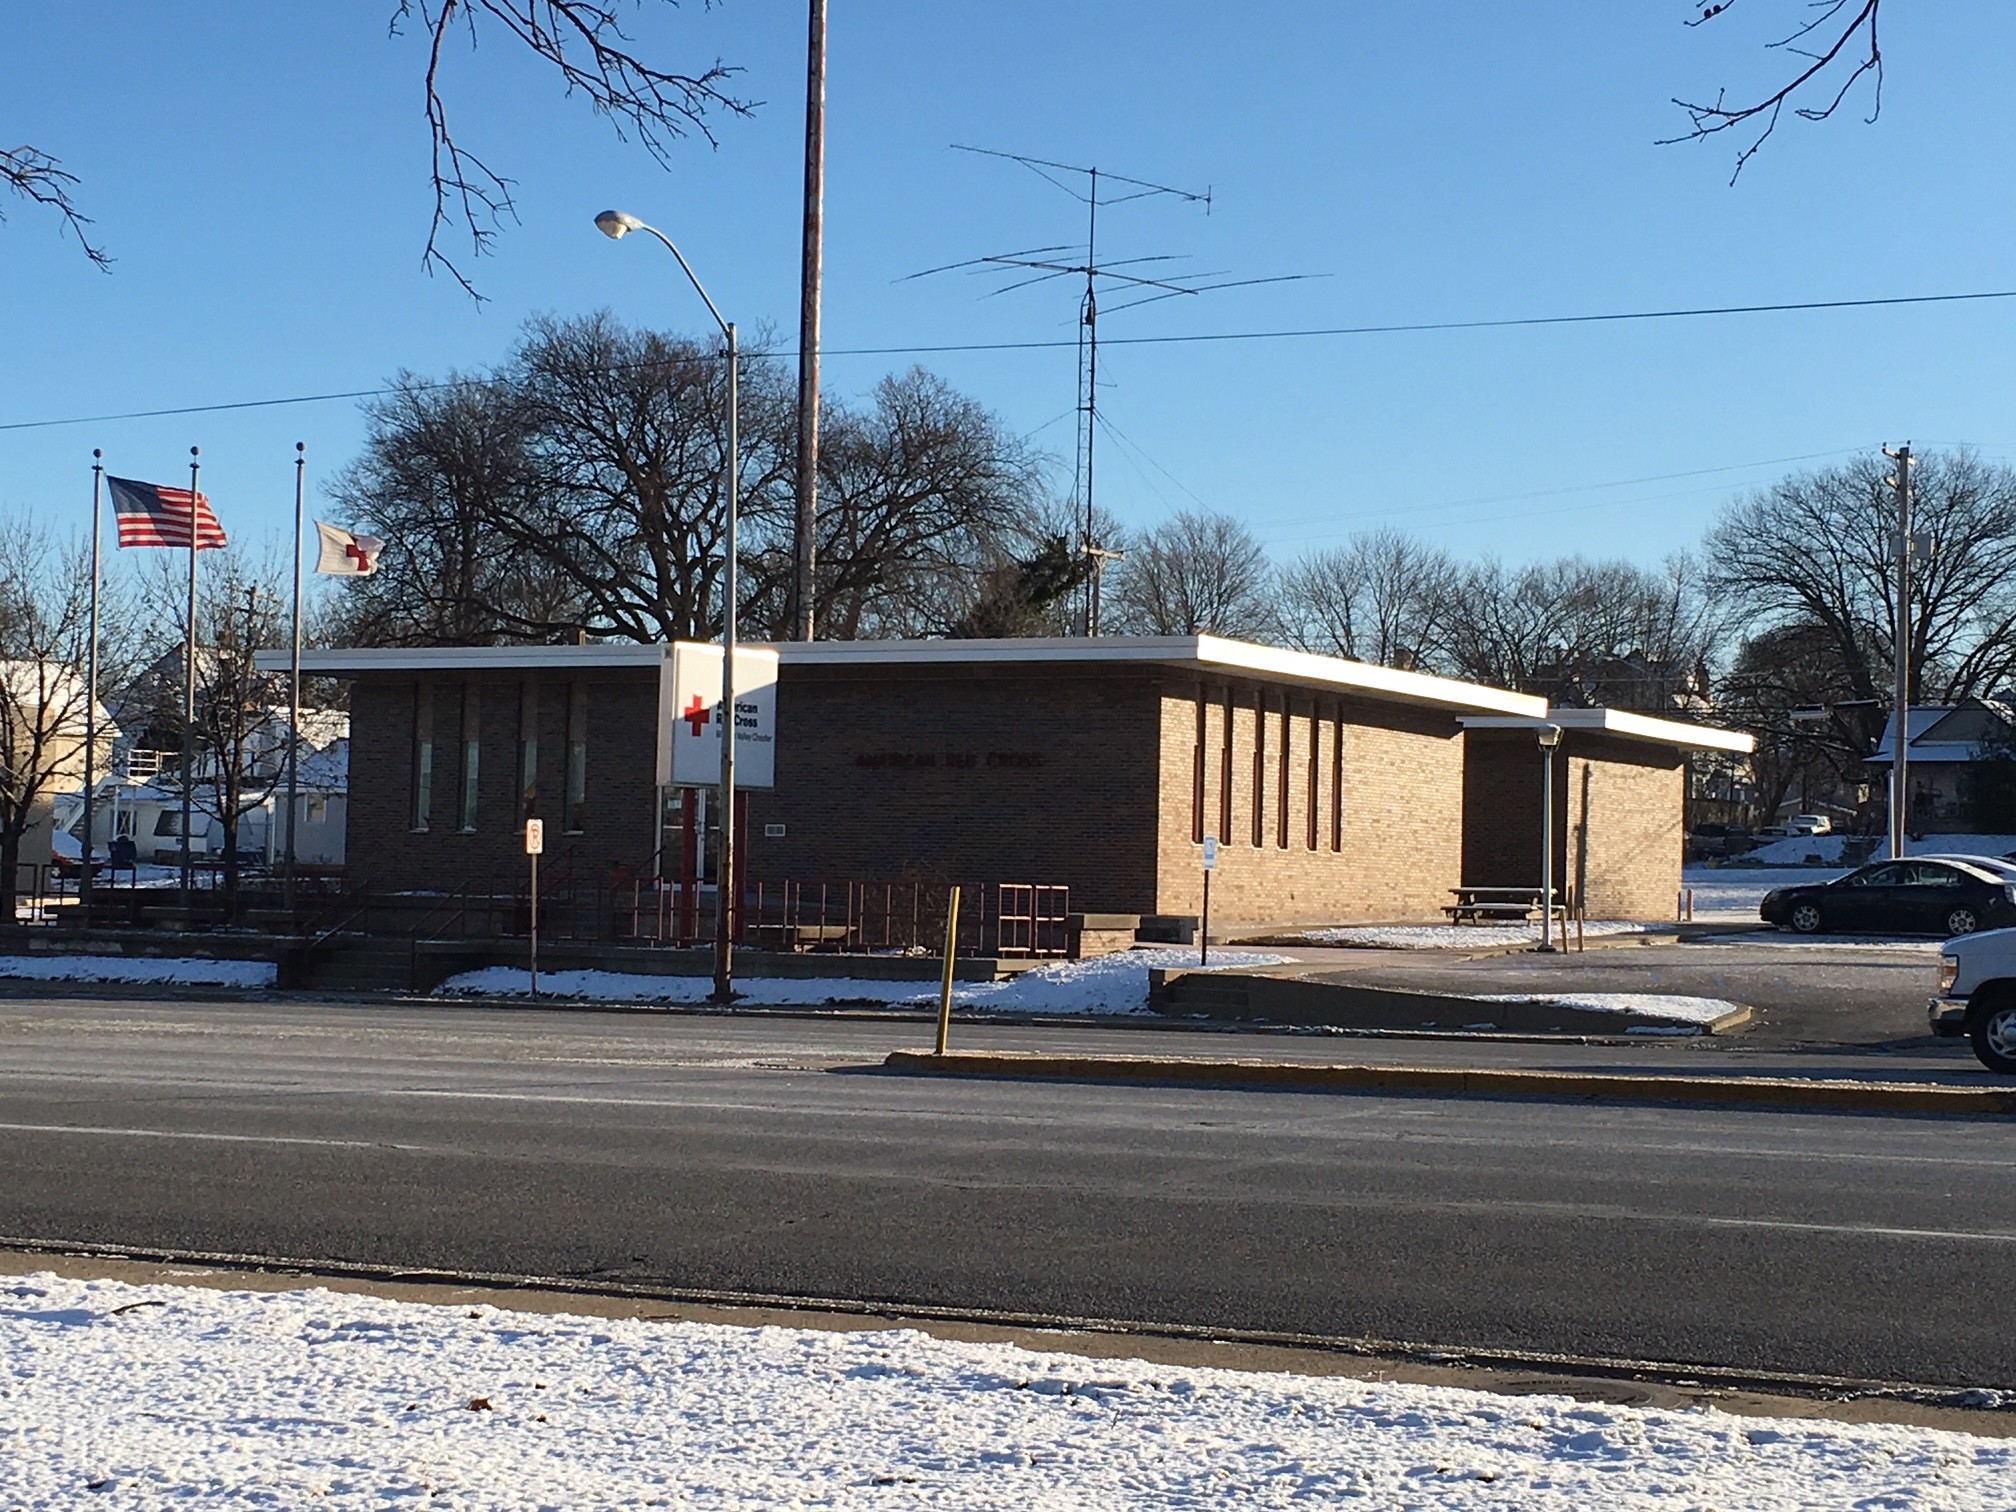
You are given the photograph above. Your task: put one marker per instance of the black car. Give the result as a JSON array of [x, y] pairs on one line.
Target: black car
[[1911, 896]]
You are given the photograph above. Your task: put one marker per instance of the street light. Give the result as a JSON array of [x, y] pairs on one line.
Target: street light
[[617, 224], [1550, 738]]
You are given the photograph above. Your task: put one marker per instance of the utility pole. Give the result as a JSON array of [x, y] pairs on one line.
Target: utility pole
[[1901, 548], [802, 594]]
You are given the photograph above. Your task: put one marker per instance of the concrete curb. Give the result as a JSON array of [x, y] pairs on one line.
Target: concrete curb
[[1779, 1092]]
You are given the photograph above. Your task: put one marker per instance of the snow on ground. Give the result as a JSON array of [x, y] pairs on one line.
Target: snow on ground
[[1683, 1011], [1450, 936], [1911, 944], [1727, 894], [1109, 984], [126, 1397], [1796, 848], [167, 970]]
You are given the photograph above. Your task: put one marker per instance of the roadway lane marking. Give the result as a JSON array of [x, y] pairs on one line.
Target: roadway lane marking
[[281, 1139]]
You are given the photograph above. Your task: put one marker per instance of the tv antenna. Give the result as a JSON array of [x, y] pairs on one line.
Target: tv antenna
[[1131, 276]]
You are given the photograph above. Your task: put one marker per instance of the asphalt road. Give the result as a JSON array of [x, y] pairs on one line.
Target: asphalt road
[[1805, 992], [757, 1155]]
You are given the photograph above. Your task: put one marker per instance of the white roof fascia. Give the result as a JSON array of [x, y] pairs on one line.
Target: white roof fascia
[[1628, 726], [1211, 653], [1192, 652], [344, 661]]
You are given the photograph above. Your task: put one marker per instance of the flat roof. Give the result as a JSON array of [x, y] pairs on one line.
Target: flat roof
[[1197, 653], [1628, 726]]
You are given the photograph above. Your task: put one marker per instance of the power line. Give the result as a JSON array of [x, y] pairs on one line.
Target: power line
[[1200, 337]]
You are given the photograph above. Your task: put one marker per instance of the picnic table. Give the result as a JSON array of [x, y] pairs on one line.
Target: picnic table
[[1484, 905]]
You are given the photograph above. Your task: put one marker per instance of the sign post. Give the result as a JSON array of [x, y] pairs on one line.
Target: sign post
[[535, 842], [1204, 924]]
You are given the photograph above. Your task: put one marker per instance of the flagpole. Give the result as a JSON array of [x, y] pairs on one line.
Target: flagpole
[[91, 693], [294, 691], [189, 698]]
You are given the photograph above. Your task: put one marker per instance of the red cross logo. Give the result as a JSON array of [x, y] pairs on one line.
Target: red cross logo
[[358, 555], [696, 715]]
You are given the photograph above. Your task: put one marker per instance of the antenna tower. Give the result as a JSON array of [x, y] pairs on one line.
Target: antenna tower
[[1043, 264]]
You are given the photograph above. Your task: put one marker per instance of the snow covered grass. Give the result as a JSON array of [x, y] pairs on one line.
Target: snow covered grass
[[1891, 944], [1109, 984], [1731, 894], [1796, 848], [1683, 1013], [125, 1397], [1451, 936], [166, 970]]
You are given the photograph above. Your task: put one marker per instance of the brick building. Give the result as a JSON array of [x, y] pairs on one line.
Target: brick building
[[1337, 790]]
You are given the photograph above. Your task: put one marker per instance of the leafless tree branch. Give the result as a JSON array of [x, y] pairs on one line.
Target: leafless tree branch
[[37, 177], [585, 43], [1855, 40]]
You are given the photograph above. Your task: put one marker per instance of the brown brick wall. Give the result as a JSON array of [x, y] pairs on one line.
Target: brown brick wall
[[976, 775], [1617, 820], [384, 851], [1401, 814]]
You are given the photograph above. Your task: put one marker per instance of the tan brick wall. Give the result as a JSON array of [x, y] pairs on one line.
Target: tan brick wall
[[1401, 818], [1617, 820]]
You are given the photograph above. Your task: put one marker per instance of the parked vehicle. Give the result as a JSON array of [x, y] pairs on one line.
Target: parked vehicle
[[1809, 824], [1912, 896], [1976, 996]]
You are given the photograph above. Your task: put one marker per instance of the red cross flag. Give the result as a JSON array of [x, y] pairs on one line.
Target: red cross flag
[[344, 553]]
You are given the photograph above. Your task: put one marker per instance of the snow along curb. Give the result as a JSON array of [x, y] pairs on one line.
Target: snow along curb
[[1787, 1092]]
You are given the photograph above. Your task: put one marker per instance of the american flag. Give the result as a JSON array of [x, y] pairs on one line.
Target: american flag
[[150, 515]]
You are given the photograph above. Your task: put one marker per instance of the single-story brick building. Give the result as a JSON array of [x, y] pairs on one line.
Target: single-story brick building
[[1336, 790]]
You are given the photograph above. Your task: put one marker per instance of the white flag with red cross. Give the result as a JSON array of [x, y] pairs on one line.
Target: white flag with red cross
[[344, 553]]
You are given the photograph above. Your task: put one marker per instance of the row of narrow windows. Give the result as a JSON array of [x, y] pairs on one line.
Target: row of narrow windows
[[448, 722], [1310, 756]]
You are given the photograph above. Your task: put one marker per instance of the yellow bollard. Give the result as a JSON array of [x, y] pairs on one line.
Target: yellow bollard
[[945, 985]]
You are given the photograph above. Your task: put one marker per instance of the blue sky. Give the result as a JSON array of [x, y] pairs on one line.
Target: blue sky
[[259, 173]]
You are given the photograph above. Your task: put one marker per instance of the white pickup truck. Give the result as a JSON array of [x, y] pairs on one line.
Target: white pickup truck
[[1977, 996]]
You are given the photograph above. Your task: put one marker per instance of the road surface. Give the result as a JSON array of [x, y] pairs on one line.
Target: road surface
[[766, 1155]]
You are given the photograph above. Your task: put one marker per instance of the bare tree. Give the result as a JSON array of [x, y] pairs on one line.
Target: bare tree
[[626, 437], [45, 591], [1816, 549], [441, 463], [1835, 54], [1382, 597], [1584, 633], [1195, 574], [41, 180], [582, 42], [922, 491]]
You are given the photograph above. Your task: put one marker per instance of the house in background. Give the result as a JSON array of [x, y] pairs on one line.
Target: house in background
[[1961, 763]]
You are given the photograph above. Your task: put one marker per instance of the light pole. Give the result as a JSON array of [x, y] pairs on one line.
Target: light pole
[[1550, 738], [616, 224]]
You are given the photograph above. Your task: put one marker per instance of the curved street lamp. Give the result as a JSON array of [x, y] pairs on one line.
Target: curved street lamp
[[617, 224]]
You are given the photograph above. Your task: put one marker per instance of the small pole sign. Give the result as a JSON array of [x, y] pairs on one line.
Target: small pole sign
[[1204, 924], [535, 842]]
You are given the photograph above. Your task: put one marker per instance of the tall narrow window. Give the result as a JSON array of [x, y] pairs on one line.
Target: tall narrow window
[[1337, 786], [1225, 775], [1197, 776], [528, 748], [423, 755], [1315, 771], [576, 817], [1259, 769], [1287, 766], [472, 751]]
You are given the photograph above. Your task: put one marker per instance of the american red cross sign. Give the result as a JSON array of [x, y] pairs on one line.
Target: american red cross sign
[[689, 728]]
